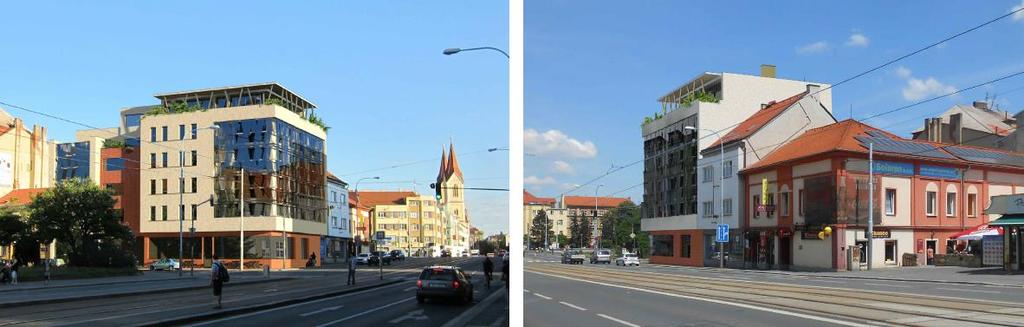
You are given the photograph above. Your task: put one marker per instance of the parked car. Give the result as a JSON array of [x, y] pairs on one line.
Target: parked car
[[397, 255], [572, 257], [465, 253], [363, 259], [444, 282], [474, 252], [601, 256], [628, 259], [165, 264], [377, 256], [446, 253]]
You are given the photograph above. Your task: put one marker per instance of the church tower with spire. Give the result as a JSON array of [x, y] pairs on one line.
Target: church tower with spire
[[449, 186]]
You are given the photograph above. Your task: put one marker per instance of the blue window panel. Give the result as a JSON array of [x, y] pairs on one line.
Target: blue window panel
[[152, 134], [132, 142], [133, 120], [72, 161], [114, 164]]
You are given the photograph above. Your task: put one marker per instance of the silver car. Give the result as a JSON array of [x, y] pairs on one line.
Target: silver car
[[601, 256], [628, 259]]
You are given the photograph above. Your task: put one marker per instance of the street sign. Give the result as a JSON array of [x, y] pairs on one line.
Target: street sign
[[379, 235], [723, 233], [632, 235]]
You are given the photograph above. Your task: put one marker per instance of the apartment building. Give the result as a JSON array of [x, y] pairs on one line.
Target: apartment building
[[925, 193], [228, 160], [587, 210], [558, 218], [712, 104], [411, 221], [336, 244]]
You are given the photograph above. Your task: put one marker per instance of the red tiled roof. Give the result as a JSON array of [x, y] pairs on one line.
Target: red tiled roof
[[589, 201], [21, 196], [528, 198], [754, 123], [372, 198]]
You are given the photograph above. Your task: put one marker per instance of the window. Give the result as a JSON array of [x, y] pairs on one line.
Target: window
[[685, 248], [195, 131], [164, 186], [757, 202], [890, 201], [727, 207], [181, 158], [929, 203], [165, 159], [152, 134], [165, 133], [727, 169], [195, 184], [784, 204], [195, 211], [115, 164], [152, 186], [195, 156], [181, 212], [708, 208], [709, 173], [890, 252], [972, 205], [662, 245], [951, 204], [181, 132], [164, 212], [132, 120], [801, 199], [152, 213], [152, 160]]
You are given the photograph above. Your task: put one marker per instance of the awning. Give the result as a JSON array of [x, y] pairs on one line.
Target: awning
[[1009, 220]]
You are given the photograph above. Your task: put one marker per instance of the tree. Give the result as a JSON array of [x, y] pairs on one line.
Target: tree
[[541, 231], [81, 217], [580, 230], [563, 240], [618, 223], [11, 227]]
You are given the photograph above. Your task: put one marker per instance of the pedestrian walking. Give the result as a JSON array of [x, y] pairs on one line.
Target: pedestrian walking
[[6, 273], [351, 271], [504, 274], [14, 272], [219, 275], [488, 270]]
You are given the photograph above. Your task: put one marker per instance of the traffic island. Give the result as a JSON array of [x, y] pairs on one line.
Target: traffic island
[[200, 317]]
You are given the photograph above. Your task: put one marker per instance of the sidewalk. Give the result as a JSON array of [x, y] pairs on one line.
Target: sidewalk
[[942, 274]]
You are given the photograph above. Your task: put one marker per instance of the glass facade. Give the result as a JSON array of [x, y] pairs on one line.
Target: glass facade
[[72, 160], [283, 165], [133, 120]]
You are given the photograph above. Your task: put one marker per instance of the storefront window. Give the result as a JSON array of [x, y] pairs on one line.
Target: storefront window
[[663, 245], [685, 246], [890, 251]]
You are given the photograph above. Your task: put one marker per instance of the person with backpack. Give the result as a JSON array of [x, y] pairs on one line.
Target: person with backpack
[[219, 276], [488, 270]]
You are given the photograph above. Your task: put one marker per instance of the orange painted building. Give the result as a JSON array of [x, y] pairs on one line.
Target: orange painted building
[[923, 193]]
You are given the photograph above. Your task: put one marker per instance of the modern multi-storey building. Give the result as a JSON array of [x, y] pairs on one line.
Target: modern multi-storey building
[[336, 244], [718, 190], [710, 102], [249, 150]]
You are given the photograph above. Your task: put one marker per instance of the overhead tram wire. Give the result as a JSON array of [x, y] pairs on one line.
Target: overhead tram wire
[[841, 82], [411, 163]]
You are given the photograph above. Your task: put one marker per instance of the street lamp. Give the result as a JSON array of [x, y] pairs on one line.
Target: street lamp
[[181, 200], [593, 223], [451, 51], [380, 260], [721, 187]]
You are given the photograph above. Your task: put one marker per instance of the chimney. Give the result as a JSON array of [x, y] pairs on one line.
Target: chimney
[[955, 128], [812, 88], [768, 71], [981, 105], [933, 129]]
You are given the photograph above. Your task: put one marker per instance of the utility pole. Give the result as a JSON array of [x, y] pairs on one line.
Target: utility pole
[[871, 200], [593, 223], [241, 222], [181, 203]]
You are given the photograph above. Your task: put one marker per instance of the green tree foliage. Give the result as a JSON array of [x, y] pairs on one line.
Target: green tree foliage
[[174, 108], [11, 227], [563, 240], [580, 231], [81, 217], [539, 229], [111, 143], [316, 120], [618, 223]]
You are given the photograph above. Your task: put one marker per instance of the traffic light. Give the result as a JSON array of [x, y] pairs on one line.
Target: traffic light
[[437, 191]]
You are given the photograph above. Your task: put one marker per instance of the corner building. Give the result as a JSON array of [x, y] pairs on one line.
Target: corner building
[[245, 148]]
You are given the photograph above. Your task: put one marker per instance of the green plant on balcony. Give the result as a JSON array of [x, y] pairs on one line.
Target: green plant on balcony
[[174, 108], [316, 120], [274, 101], [700, 96], [110, 143]]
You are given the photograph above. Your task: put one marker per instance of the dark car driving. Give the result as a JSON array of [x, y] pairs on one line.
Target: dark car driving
[[444, 282], [376, 256], [397, 255]]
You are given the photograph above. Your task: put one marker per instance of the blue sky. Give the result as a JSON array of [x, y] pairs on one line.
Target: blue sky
[[593, 70], [374, 69]]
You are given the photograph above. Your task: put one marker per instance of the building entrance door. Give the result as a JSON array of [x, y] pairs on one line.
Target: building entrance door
[[929, 251], [785, 252]]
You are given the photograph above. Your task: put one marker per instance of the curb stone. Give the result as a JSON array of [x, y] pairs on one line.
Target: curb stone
[[90, 297]]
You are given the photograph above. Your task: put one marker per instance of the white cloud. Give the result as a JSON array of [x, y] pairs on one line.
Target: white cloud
[[557, 143], [1019, 15], [563, 167], [858, 40], [918, 89], [813, 48], [902, 72], [536, 181]]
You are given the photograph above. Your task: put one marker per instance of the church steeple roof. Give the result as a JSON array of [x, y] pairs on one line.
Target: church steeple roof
[[453, 163], [442, 174]]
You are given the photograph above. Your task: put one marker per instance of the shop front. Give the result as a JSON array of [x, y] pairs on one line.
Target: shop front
[[1011, 209]]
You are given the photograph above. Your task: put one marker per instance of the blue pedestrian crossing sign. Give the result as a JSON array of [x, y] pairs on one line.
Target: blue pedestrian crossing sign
[[722, 236]]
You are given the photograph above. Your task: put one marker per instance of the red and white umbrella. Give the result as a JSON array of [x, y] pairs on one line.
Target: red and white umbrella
[[977, 233]]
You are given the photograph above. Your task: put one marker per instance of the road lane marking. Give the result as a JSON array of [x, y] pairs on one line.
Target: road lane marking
[[617, 320], [307, 314], [270, 290], [966, 290], [409, 288], [542, 296], [412, 315], [741, 305], [829, 281], [887, 285], [526, 291], [572, 306], [367, 312]]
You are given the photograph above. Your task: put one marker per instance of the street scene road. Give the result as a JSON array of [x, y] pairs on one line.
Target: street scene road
[[306, 297], [648, 295]]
